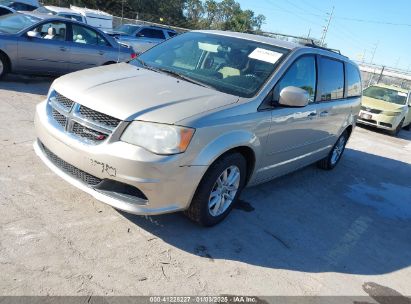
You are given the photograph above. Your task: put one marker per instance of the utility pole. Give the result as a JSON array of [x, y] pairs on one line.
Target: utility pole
[[373, 52], [397, 62], [325, 31], [363, 55], [122, 11], [309, 33], [381, 74]]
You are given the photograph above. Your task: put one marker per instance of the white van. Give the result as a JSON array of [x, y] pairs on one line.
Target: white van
[[96, 18]]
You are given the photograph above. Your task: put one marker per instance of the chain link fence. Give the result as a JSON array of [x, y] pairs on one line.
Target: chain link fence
[[373, 74]]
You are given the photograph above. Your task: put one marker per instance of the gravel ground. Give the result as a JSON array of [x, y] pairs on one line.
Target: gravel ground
[[345, 232]]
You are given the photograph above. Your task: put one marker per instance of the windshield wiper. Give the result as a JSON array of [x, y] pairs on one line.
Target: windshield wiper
[[146, 66], [183, 77]]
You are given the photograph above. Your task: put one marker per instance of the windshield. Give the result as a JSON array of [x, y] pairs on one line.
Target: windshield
[[231, 65], [44, 10], [385, 94], [15, 23], [128, 29]]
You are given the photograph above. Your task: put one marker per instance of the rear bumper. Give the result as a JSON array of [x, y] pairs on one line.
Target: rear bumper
[[166, 184]]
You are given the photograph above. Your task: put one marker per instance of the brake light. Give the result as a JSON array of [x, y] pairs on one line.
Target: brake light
[[133, 55]]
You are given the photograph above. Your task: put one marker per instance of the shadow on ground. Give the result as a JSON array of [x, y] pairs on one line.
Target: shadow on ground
[[26, 84], [404, 134], [355, 219]]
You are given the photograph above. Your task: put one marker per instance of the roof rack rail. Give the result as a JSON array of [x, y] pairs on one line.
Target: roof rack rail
[[313, 45]]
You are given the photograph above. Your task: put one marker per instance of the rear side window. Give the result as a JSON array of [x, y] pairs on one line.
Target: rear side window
[[353, 80], [302, 74], [331, 79], [151, 33], [84, 35]]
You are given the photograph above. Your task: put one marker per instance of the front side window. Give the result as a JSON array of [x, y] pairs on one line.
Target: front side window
[[151, 33], [84, 35], [51, 31], [301, 74], [231, 65], [331, 79], [14, 23], [353, 77], [385, 94]]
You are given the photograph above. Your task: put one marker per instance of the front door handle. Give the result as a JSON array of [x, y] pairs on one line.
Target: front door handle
[[312, 115], [101, 53], [63, 48], [324, 114]]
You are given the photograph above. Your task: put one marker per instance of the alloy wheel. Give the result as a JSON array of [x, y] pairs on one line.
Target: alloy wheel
[[224, 191], [338, 150]]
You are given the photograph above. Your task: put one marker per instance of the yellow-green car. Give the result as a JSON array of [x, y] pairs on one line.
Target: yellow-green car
[[386, 107]]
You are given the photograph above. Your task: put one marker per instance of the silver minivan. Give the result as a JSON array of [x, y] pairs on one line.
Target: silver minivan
[[191, 122]]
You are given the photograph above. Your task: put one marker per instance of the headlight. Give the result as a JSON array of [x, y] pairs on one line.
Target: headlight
[[389, 113], [158, 138]]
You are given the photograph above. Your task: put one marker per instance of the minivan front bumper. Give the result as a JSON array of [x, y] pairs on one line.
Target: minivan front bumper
[[166, 184], [380, 121]]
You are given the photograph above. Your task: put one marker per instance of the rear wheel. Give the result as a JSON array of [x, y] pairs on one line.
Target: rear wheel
[[333, 158], [4, 65], [398, 129], [218, 190]]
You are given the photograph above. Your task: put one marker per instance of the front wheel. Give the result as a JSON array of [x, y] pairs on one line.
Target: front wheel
[[3, 65], [331, 161], [218, 190], [398, 129]]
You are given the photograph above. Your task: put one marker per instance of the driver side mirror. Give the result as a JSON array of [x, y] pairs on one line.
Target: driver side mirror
[[31, 34], [294, 97]]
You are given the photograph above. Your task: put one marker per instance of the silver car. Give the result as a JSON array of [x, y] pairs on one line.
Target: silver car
[[142, 37], [44, 44], [191, 122]]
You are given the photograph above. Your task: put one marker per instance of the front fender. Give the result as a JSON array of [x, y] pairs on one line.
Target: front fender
[[226, 142]]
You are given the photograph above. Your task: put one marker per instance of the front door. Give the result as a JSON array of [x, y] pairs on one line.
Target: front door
[[297, 135], [45, 53]]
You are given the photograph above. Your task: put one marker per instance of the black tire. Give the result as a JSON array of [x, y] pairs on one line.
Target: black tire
[[4, 65], [328, 163], [199, 210], [398, 129]]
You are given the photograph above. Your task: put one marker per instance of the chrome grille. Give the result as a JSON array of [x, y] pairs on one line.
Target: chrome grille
[[64, 101], [61, 119], [98, 117], [84, 123], [78, 174], [87, 133], [374, 111]]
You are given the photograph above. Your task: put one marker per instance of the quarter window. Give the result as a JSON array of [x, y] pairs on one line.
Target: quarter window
[[171, 34], [331, 79], [301, 74], [353, 77]]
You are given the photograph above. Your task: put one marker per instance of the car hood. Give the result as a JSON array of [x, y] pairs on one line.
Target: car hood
[[130, 93], [377, 104]]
